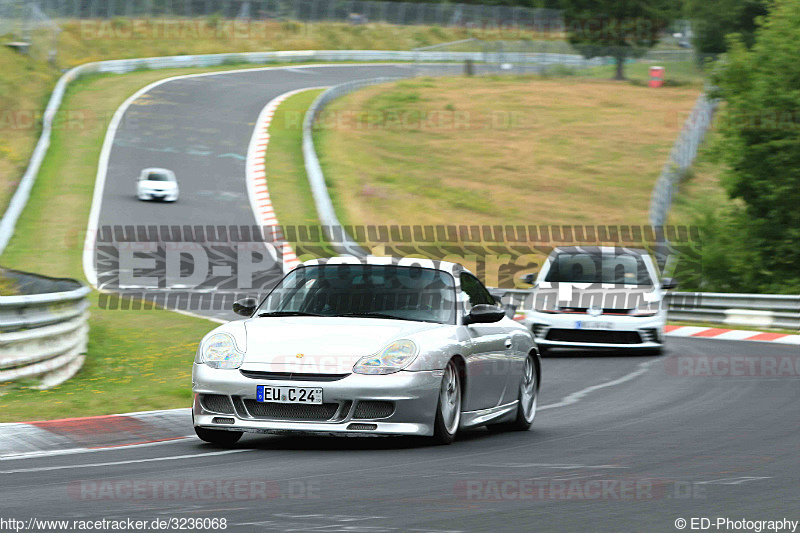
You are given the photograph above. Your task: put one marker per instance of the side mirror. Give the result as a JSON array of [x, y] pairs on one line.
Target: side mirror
[[668, 283], [530, 279], [245, 306], [484, 314]]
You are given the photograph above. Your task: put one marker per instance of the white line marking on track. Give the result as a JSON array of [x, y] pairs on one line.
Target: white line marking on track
[[575, 397], [550, 465], [73, 451], [731, 480], [115, 463]]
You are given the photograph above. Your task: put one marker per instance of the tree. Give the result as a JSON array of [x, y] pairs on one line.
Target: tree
[[760, 147], [617, 28], [713, 20]]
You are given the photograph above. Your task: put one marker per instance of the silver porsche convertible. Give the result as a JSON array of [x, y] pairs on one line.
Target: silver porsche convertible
[[375, 346]]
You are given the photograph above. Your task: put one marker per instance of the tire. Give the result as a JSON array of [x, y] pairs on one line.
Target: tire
[[218, 437], [528, 398], [448, 407]]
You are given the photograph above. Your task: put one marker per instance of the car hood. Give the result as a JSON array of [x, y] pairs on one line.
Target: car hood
[[327, 344], [550, 295]]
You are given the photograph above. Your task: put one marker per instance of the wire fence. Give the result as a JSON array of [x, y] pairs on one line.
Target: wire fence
[[353, 11], [26, 27], [681, 158], [525, 56]]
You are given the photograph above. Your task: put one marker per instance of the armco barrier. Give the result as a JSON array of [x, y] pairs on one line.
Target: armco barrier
[[752, 310], [20, 198], [43, 336], [334, 231]]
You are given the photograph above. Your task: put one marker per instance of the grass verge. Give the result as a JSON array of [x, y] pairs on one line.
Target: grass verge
[[499, 150], [136, 359], [287, 180]]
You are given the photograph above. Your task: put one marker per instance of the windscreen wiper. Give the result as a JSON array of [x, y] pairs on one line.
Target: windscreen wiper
[[288, 313], [380, 315]]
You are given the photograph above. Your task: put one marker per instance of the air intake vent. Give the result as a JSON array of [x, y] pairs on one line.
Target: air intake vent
[[649, 334], [291, 411], [222, 420], [217, 403], [539, 330], [363, 427], [369, 409]]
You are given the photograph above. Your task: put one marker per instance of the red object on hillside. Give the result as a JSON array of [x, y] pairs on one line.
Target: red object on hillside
[[656, 77]]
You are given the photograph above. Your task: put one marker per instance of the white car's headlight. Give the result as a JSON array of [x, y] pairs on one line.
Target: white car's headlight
[[220, 351], [393, 358]]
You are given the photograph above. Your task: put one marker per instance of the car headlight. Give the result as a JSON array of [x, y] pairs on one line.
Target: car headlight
[[393, 358], [220, 351]]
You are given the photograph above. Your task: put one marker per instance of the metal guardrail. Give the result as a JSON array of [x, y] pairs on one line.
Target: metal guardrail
[[754, 310], [44, 336], [336, 234], [22, 193]]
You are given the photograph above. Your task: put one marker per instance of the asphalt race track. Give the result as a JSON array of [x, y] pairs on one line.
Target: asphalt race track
[[200, 127], [663, 446], [621, 442]]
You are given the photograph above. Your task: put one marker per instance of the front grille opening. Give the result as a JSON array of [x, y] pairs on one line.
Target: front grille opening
[[594, 335], [363, 427], [291, 411], [216, 403], [291, 376], [369, 409], [222, 420]]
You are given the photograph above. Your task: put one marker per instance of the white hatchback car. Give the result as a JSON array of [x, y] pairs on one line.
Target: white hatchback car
[[598, 297], [157, 184]]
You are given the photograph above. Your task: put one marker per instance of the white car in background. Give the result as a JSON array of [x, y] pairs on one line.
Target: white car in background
[[157, 184], [598, 297]]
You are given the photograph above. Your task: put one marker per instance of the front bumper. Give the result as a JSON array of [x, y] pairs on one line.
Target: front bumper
[[560, 330], [414, 396], [166, 196]]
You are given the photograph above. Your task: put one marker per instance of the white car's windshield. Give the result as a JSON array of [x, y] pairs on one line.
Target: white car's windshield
[[372, 291], [158, 176], [622, 269]]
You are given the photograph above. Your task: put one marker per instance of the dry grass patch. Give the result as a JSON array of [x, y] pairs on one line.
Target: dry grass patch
[[504, 150]]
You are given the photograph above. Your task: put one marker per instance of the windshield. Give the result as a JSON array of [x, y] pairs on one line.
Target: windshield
[[373, 291], [157, 176], [624, 269]]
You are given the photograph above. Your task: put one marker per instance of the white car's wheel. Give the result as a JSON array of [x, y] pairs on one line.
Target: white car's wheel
[[448, 411]]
